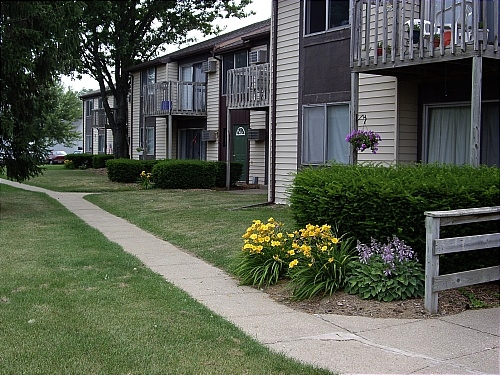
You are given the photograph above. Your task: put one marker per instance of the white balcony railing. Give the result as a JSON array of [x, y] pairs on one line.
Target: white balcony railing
[[248, 87], [176, 98]]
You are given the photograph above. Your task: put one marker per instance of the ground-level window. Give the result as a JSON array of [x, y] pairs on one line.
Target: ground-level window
[[88, 143], [448, 134], [101, 142], [150, 140], [190, 144], [324, 128]]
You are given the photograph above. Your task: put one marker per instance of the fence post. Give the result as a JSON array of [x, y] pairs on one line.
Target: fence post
[[432, 225]]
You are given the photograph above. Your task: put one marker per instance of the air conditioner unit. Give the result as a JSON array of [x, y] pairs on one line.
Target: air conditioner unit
[[209, 66], [257, 134], [257, 57], [208, 136]]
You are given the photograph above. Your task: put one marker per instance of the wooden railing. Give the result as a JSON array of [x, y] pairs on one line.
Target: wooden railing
[[175, 98], [99, 119], [387, 24], [248, 87], [436, 247]]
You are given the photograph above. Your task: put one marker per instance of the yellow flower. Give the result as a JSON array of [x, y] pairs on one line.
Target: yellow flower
[[291, 235], [335, 240], [293, 263], [253, 236], [279, 235], [267, 238], [291, 252], [275, 243], [310, 264], [330, 260], [247, 246], [324, 248], [276, 258]]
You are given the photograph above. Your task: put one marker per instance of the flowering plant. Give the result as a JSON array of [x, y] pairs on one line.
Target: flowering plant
[[363, 139], [69, 164], [265, 253], [386, 272], [146, 181], [320, 263]]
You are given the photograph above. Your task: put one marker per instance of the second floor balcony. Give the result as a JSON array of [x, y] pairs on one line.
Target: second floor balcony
[[98, 118], [395, 33], [248, 87], [175, 98]]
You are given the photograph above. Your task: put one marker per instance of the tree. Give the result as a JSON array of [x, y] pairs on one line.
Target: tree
[[38, 42], [120, 34]]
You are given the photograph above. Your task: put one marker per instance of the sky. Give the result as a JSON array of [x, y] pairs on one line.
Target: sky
[[262, 9]]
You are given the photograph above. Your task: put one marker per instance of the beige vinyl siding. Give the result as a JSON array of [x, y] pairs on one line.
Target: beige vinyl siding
[[213, 111], [408, 118], [136, 111], [257, 165], [287, 83], [161, 122], [377, 100]]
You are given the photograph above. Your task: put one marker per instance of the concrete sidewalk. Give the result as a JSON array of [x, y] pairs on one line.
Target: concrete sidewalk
[[467, 343]]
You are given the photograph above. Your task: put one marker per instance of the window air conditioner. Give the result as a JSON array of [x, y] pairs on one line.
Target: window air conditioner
[[257, 134], [209, 66], [208, 136], [257, 57]]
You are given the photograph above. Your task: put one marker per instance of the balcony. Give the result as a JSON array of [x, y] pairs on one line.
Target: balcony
[[98, 118], [248, 87], [456, 29], [175, 98]]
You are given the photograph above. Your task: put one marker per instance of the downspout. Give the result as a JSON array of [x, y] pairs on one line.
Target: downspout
[[131, 104], [272, 169]]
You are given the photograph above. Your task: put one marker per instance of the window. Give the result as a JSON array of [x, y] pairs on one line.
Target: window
[[232, 61], [324, 129], [88, 143], [448, 134], [190, 144], [323, 15], [89, 106], [101, 142], [150, 141], [192, 95]]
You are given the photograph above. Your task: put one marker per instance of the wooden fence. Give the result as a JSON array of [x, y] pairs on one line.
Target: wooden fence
[[435, 247]]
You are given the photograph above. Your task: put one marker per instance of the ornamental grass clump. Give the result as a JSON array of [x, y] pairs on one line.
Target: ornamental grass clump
[[265, 254], [386, 272], [364, 139], [321, 261]]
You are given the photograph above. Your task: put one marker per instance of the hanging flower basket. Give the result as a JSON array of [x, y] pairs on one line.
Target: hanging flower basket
[[364, 139]]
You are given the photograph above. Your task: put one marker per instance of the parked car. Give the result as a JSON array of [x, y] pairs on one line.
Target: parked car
[[56, 157], [78, 152]]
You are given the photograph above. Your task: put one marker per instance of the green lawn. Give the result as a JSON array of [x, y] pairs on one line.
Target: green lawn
[[72, 302]]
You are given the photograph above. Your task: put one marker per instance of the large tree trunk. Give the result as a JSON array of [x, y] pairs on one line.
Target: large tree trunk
[[119, 123]]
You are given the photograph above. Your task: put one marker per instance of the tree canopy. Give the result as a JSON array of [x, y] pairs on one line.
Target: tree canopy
[[38, 42], [120, 34]]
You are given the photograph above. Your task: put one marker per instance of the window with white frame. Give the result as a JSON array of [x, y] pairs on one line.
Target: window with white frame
[[448, 132], [323, 15], [150, 141], [324, 128]]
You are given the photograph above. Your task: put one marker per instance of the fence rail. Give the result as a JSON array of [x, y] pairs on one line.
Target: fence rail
[[435, 247], [248, 87]]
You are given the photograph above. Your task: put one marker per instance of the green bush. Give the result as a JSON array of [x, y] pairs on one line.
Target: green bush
[[184, 174], [128, 170], [80, 160], [235, 173], [99, 161], [371, 201]]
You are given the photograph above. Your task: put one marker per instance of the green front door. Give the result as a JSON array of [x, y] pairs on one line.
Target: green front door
[[240, 148]]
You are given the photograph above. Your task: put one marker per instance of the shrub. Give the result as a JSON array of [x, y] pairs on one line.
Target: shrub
[[235, 173], [80, 161], [386, 272], [265, 254], [321, 261], [184, 174], [68, 164], [371, 201], [128, 170], [99, 161]]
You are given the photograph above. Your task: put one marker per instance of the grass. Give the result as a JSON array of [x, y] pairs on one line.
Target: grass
[[72, 302]]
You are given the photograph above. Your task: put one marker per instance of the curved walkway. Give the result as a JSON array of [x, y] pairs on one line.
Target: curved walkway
[[467, 343]]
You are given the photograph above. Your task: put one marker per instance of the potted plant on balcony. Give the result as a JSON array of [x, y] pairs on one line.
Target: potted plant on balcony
[[139, 150], [380, 47], [437, 40], [416, 33]]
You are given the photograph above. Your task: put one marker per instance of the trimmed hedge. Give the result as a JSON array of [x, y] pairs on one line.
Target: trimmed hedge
[[235, 174], [128, 170], [184, 174], [366, 201], [80, 160], [99, 161]]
